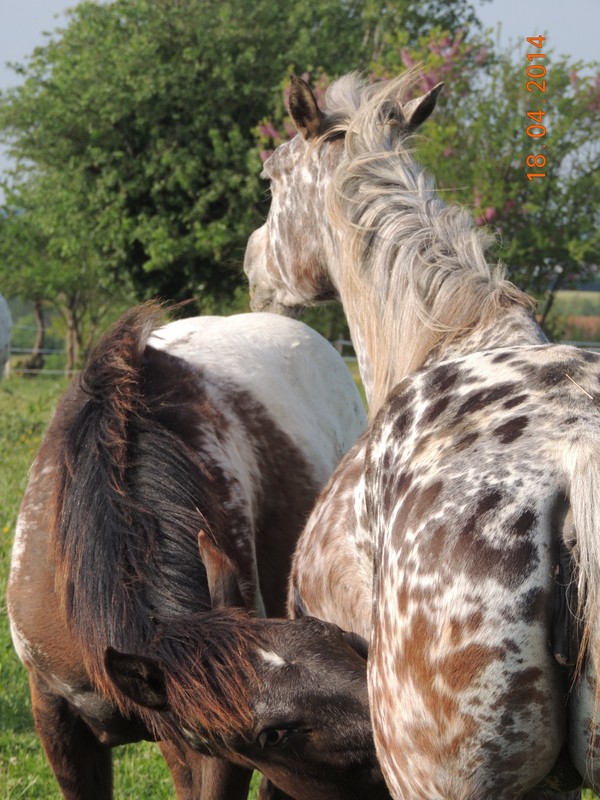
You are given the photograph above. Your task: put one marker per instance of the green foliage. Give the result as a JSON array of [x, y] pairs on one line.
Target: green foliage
[[137, 123], [137, 174], [477, 146], [133, 137]]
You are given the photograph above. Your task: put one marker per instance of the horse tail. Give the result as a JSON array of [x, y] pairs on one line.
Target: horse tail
[[128, 497], [582, 463], [111, 380]]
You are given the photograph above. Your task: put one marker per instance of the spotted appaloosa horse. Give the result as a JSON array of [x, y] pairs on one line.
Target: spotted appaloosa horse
[[468, 516], [225, 426]]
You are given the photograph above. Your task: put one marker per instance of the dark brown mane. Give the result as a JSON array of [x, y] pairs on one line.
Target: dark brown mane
[[130, 493], [208, 659]]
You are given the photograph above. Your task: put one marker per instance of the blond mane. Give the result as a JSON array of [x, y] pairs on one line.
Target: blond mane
[[416, 271]]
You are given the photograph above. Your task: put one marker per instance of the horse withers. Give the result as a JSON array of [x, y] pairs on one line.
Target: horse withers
[[228, 426]]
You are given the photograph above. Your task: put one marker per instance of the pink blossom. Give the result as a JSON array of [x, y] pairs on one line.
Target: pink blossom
[[456, 44], [481, 55], [268, 130], [593, 95], [429, 81], [407, 59], [487, 216]]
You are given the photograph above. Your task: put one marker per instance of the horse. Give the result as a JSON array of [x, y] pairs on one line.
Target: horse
[[181, 449], [226, 684], [459, 538]]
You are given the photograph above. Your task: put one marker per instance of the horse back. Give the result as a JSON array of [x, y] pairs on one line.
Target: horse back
[[287, 370], [468, 492]]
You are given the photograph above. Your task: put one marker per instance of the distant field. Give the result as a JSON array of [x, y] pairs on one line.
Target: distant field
[[577, 304], [575, 316]]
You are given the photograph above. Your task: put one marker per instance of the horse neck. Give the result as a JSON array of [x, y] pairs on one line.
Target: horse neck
[[362, 357], [415, 285]]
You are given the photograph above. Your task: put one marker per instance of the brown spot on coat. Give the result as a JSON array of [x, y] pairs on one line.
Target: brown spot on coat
[[511, 430], [481, 398]]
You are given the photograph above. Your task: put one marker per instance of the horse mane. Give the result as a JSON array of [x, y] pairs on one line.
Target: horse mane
[[129, 496], [417, 272], [208, 659]]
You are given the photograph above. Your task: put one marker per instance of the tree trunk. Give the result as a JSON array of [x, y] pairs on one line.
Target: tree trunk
[[40, 325], [73, 335], [36, 360], [71, 347], [560, 276]]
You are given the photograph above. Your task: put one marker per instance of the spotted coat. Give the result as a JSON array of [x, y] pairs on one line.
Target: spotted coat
[[453, 536], [466, 682]]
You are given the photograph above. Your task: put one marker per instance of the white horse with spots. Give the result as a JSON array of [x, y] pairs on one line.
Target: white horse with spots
[[5, 332], [461, 535]]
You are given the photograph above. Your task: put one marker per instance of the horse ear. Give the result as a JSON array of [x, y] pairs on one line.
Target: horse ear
[[221, 574], [139, 678], [357, 643], [418, 110], [304, 109]]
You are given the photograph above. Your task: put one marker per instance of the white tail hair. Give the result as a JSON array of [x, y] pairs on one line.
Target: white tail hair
[[582, 465]]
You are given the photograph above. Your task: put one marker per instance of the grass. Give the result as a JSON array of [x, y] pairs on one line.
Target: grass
[[573, 303], [25, 409]]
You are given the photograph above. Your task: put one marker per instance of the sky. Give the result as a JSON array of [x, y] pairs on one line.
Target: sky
[[573, 28]]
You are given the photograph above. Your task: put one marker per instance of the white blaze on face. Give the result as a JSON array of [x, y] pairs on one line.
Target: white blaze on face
[[272, 658]]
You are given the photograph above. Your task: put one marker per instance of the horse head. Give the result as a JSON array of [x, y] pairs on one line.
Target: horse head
[[292, 260], [287, 697]]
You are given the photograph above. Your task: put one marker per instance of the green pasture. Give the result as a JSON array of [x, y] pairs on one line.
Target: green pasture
[[577, 303], [25, 408]]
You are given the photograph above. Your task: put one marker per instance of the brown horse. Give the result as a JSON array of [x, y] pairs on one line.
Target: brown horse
[[460, 536], [287, 697], [228, 426]]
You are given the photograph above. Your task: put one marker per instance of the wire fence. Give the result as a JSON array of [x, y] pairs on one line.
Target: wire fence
[[346, 349], [17, 355]]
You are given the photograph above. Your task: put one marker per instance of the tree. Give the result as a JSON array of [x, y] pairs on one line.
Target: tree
[[489, 133], [139, 116], [39, 264], [21, 274], [493, 133]]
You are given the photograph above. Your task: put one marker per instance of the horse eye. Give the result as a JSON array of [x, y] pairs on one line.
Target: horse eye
[[272, 737]]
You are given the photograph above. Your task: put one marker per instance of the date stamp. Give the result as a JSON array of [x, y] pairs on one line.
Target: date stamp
[[536, 73]]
